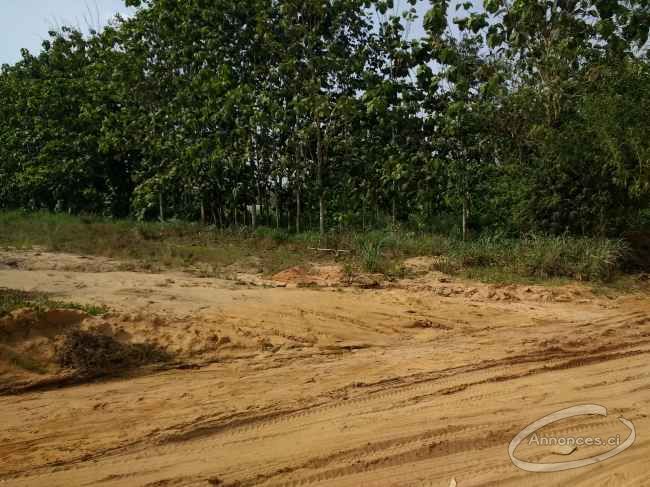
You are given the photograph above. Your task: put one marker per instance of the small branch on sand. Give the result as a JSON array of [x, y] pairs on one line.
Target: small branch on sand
[[335, 251]]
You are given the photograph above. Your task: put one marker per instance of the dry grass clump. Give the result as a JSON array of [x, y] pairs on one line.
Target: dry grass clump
[[93, 354]]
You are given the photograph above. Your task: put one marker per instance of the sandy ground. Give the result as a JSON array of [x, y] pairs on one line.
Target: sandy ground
[[422, 382]]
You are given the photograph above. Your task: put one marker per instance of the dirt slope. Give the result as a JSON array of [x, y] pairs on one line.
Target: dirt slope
[[410, 385]]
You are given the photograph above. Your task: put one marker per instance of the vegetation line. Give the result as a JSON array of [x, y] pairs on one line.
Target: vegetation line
[[212, 251], [515, 117]]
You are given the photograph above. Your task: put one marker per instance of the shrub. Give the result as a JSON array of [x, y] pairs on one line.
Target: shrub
[[369, 250]]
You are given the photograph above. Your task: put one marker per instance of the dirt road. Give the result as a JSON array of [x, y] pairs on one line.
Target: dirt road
[[423, 383]]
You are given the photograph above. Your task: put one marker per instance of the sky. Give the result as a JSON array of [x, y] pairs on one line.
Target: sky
[[25, 23]]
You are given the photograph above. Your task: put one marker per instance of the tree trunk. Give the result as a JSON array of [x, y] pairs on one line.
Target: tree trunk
[[298, 210], [202, 213], [265, 211], [289, 216], [465, 215], [321, 213], [257, 184], [161, 208], [321, 195]]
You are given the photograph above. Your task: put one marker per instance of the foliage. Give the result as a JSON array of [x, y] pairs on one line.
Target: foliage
[[527, 116]]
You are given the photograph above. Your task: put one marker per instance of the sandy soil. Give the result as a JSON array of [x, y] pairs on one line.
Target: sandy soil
[[421, 382]]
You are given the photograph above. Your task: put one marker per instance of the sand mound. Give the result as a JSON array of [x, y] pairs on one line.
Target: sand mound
[[447, 286], [60, 344], [28, 342], [248, 265], [33, 260], [38, 346], [24, 324], [325, 275], [419, 265]]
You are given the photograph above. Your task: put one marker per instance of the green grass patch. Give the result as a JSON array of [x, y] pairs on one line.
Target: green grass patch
[[538, 257], [502, 276], [621, 285], [12, 299]]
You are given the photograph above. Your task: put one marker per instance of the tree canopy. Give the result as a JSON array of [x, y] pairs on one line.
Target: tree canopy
[[509, 116]]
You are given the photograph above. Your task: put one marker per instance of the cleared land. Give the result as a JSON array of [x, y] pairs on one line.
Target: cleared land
[[314, 377]]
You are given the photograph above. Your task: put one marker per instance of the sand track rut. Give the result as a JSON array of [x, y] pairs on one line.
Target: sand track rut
[[460, 390]]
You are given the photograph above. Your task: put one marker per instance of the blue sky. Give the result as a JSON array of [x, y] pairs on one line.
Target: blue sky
[[25, 23]]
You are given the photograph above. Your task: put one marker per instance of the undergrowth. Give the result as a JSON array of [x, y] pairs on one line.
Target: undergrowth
[[543, 257], [176, 244]]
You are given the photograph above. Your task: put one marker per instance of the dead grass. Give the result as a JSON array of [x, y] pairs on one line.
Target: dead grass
[[153, 246], [93, 355]]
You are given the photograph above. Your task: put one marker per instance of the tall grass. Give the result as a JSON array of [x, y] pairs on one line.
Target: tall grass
[[178, 244], [369, 250], [589, 259]]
